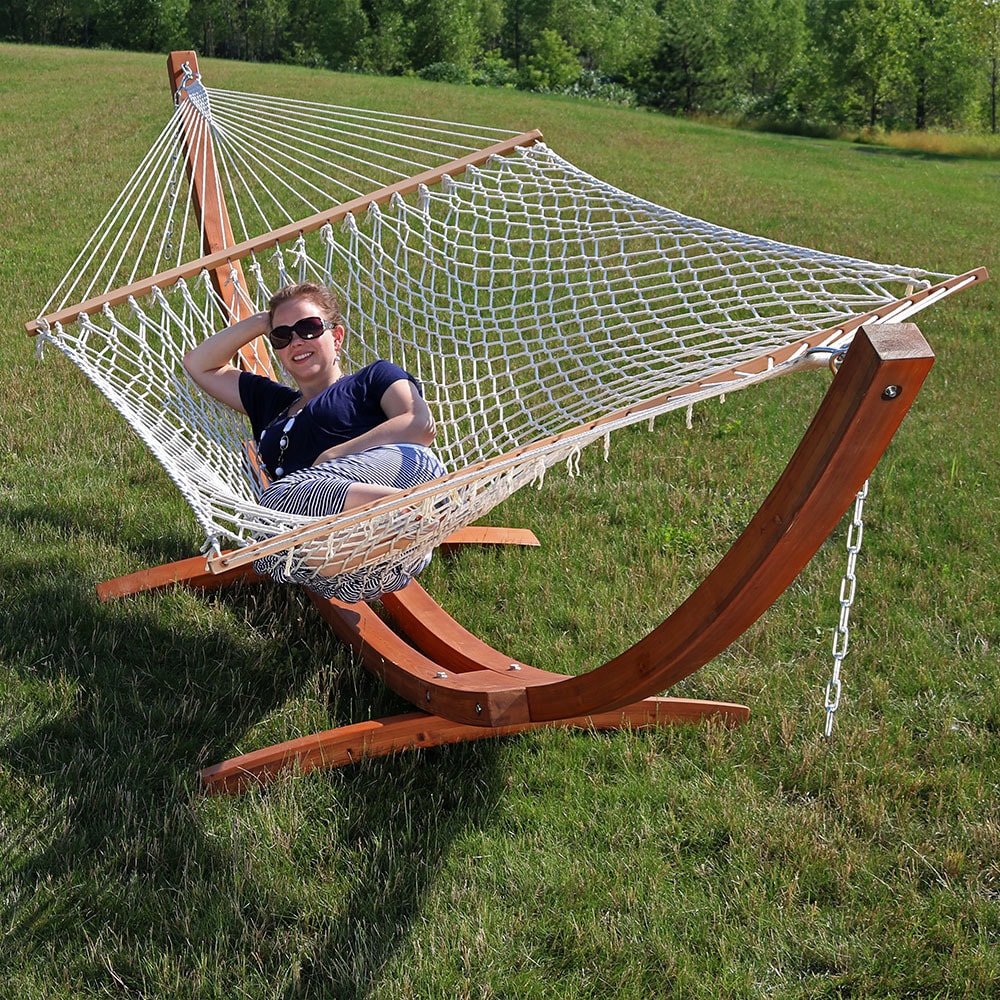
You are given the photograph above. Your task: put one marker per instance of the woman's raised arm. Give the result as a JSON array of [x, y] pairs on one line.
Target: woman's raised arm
[[211, 366]]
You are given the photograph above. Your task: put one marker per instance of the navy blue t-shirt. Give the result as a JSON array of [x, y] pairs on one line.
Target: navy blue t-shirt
[[351, 406]]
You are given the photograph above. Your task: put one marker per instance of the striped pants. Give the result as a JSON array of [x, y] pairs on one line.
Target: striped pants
[[322, 490]]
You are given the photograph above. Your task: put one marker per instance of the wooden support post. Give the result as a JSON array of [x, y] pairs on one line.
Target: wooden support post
[[209, 201], [195, 573]]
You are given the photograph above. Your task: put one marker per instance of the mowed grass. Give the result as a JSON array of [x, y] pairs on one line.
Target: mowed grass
[[687, 862]]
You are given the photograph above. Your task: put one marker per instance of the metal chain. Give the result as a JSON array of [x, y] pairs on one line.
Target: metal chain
[[848, 587]]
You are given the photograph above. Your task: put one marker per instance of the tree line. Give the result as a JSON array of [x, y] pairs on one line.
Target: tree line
[[800, 64]]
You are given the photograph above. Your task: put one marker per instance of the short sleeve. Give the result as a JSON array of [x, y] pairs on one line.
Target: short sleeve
[[263, 399]]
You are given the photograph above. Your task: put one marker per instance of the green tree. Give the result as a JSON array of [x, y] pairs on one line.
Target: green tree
[[689, 69], [608, 36], [871, 69], [453, 31], [324, 33], [253, 30], [552, 65], [942, 75], [58, 22], [524, 22], [981, 19], [386, 42], [765, 42]]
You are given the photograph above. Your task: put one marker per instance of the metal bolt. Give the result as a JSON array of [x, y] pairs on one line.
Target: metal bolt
[[891, 391], [479, 709], [441, 674], [514, 666]]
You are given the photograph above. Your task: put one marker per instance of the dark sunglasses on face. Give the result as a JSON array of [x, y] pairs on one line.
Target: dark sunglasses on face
[[307, 328]]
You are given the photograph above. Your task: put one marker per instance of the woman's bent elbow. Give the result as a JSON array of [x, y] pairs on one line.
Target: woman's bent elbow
[[429, 431]]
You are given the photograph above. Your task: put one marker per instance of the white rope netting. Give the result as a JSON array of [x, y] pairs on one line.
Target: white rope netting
[[539, 307]]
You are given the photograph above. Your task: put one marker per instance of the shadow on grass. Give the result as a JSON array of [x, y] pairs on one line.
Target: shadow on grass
[[902, 152], [123, 878]]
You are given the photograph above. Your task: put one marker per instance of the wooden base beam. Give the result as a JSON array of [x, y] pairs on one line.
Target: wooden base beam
[[193, 572], [418, 730]]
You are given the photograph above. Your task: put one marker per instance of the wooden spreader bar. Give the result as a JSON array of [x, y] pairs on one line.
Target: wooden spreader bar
[[227, 254], [195, 573]]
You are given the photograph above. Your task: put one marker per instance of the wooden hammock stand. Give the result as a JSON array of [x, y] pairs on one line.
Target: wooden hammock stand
[[463, 689]]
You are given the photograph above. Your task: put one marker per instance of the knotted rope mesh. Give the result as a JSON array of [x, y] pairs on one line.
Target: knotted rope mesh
[[540, 308]]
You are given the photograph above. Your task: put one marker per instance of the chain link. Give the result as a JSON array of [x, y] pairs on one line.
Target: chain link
[[848, 588]]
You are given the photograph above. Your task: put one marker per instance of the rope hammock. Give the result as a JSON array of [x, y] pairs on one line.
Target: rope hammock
[[540, 308]]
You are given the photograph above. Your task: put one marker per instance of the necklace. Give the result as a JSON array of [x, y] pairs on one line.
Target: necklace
[[283, 445], [283, 441]]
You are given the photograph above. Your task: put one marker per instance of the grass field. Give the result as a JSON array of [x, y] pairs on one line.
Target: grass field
[[689, 862]]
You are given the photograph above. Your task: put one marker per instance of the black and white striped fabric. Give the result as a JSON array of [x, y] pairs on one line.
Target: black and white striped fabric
[[322, 490]]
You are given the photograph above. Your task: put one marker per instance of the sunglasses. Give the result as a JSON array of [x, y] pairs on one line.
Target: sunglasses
[[308, 328]]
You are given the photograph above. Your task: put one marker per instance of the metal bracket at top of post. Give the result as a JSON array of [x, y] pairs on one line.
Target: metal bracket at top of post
[[192, 89], [189, 75], [185, 76]]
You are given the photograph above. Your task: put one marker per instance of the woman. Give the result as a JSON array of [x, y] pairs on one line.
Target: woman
[[338, 441]]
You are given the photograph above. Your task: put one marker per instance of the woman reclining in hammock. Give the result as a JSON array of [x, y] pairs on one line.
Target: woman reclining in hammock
[[339, 441]]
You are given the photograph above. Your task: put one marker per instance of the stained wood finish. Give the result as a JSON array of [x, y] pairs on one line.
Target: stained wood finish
[[194, 572], [210, 207], [350, 744], [471, 688], [185, 572], [431, 629], [464, 680], [479, 696], [867, 400]]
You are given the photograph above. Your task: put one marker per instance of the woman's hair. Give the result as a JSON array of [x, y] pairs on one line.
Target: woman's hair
[[321, 296]]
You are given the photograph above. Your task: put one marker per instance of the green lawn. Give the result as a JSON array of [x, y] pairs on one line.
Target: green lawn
[[689, 862]]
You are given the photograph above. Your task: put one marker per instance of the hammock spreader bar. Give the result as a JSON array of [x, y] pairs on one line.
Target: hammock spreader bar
[[228, 255]]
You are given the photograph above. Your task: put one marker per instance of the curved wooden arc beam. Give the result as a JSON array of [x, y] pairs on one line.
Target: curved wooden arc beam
[[884, 370], [472, 691], [413, 730], [467, 682]]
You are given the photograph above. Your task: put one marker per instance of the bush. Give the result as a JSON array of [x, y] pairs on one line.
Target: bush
[[494, 71], [594, 87], [310, 57], [445, 72], [552, 66]]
